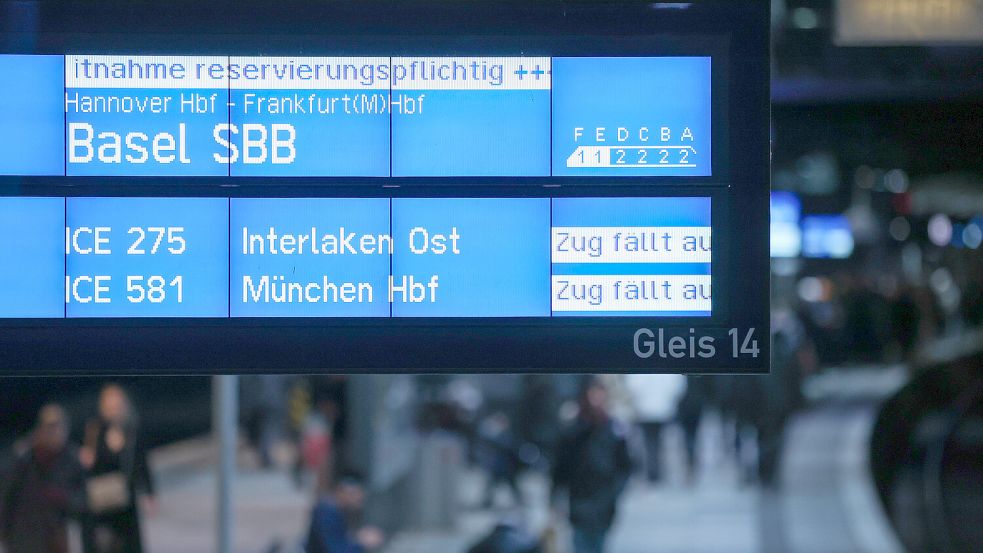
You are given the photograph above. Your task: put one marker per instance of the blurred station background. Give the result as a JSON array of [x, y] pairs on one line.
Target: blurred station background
[[866, 438]]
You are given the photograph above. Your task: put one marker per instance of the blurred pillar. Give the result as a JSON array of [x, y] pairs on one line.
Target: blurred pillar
[[225, 410]]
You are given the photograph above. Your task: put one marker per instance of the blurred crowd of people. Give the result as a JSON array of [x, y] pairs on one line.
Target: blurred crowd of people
[[593, 444], [103, 483], [870, 318]]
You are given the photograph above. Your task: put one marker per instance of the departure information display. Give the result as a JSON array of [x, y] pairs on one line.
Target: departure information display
[[364, 117], [384, 186], [354, 257]]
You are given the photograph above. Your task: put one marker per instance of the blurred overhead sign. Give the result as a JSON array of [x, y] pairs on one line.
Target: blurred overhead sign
[[899, 22]]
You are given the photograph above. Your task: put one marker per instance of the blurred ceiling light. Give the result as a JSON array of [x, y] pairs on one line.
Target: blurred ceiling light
[[670, 5], [827, 236], [940, 280], [899, 229], [944, 285], [864, 177], [818, 173], [839, 243], [896, 180], [940, 229], [972, 235], [786, 237], [811, 289], [785, 266], [805, 18]]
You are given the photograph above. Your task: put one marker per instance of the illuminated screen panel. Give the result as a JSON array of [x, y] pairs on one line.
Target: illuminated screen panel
[[146, 257], [32, 257], [382, 186], [146, 115], [301, 116], [631, 257], [33, 138], [303, 257], [356, 257], [478, 257], [632, 116], [133, 115], [471, 117]]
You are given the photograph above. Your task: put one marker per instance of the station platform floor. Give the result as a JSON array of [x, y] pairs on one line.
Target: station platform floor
[[826, 503]]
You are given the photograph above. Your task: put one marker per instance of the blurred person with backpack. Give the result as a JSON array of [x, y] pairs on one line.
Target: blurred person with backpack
[[592, 466]]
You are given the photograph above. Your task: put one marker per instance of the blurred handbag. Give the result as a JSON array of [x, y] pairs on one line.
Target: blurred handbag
[[107, 492]]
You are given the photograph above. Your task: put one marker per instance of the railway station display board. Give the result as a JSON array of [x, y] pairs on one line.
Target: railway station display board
[[376, 187]]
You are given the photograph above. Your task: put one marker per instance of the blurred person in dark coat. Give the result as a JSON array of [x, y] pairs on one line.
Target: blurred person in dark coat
[[335, 517], [767, 402], [502, 456], [43, 489], [698, 395], [593, 467], [120, 483]]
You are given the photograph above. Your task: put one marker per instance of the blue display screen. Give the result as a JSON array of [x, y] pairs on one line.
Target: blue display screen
[[310, 257], [32, 257], [284, 125], [489, 117], [33, 137], [631, 256], [485, 257], [354, 257], [147, 257], [119, 115], [631, 116]]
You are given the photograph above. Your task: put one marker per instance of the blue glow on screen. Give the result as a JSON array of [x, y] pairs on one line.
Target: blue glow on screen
[[178, 140], [347, 277], [631, 257], [631, 116], [140, 115], [358, 257], [148, 257], [474, 133], [501, 268], [632, 212], [32, 257], [338, 143], [32, 115]]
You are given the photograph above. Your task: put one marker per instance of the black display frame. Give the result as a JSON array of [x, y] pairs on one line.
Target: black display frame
[[733, 33]]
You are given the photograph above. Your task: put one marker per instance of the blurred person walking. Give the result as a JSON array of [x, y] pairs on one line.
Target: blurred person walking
[[655, 398], [501, 457], [119, 483], [335, 514], [593, 467], [264, 402], [698, 395], [44, 488]]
